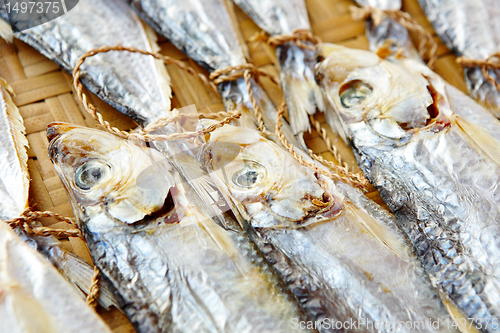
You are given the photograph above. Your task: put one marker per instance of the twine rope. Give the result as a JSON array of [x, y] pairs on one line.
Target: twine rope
[[339, 174], [427, 47], [246, 71], [329, 144], [28, 216], [298, 36], [145, 136], [492, 62], [94, 289]]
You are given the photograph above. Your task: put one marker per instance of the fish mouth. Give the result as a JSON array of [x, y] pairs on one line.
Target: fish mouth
[[323, 209]]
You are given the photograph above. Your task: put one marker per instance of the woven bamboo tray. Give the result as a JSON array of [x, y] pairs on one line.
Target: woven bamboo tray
[[43, 93]]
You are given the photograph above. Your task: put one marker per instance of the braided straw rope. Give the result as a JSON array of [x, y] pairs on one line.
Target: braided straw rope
[[232, 73], [340, 172], [427, 47], [297, 36], [329, 144], [492, 62], [25, 222], [94, 289], [92, 110]]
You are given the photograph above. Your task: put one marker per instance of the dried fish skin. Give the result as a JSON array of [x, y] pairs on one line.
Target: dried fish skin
[[173, 270], [302, 94], [134, 84], [14, 176], [200, 28], [317, 233], [470, 29], [433, 164], [46, 303]]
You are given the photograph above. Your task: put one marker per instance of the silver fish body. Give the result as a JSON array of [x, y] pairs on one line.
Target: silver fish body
[[302, 94], [341, 255], [422, 145], [172, 268], [470, 28], [134, 84], [35, 297]]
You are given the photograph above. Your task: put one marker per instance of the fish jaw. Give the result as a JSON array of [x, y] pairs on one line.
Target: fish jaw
[[263, 178], [103, 172]]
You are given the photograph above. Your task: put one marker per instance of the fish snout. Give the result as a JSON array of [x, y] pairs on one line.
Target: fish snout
[[55, 129]]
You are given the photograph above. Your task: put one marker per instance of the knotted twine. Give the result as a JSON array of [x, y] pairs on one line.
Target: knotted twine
[[298, 36], [492, 62], [427, 47]]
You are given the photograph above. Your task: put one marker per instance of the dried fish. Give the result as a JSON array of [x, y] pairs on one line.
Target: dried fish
[[172, 267], [470, 28], [134, 84], [434, 155], [340, 253]]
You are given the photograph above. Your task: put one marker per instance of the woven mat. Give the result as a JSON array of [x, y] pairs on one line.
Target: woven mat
[[44, 94]]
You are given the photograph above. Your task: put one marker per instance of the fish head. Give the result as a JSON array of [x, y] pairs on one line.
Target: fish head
[[106, 174], [394, 100], [261, 177]]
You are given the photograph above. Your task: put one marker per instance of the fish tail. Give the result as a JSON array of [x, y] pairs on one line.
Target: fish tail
[[389, 37], [302, 93], [482, 90], [235, 95]]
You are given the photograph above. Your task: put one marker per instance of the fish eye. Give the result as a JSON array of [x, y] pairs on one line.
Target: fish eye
[[249, 175], [354, 92], [91, 173]]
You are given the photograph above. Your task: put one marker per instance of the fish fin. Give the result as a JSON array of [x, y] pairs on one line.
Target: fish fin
[[28, 312], [481, 139], [381, 232], [6, 31], [302, 93], [17, 131], [333, 120], [80, 274], [457, 316]]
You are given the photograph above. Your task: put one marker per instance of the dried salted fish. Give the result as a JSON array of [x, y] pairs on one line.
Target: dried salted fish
[[134, 84], [34, 297], [340, 253], [470, 28], [173, 269], [434, 155], [302, 94]]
